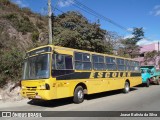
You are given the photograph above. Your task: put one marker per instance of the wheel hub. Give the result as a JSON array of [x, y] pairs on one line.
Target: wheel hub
[[80, 94], [127, 87]]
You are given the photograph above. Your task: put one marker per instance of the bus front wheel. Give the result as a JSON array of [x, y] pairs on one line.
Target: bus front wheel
[[78, 95], [126, 87]]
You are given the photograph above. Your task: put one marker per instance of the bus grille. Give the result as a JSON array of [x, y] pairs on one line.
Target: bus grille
[[31, 88], [30, 94]]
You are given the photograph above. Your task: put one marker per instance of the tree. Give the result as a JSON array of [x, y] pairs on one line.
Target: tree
[[113, 40], [150, 57], [73, 30], [130, 47]]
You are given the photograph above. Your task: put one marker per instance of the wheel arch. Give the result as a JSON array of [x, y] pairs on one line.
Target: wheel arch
[[84, 86], [127, 80]]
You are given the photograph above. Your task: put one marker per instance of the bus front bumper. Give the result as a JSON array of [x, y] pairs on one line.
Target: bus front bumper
[[36, 94]]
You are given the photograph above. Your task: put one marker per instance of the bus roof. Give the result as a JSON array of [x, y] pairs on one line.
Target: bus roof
[[84, 51]]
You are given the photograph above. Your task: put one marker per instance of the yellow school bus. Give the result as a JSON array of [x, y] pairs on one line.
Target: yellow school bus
[[53, 72]]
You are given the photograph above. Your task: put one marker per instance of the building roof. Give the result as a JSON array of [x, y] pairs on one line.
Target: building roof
[[150, 47]]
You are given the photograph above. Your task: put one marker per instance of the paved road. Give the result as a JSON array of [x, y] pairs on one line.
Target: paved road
[[139, 99]]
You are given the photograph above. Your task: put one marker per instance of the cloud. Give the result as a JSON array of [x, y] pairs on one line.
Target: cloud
[[143, 41], [65, 3], [21, 3], [146, 42], [130, 29], [128, 36], [156, 7], [155, 11]]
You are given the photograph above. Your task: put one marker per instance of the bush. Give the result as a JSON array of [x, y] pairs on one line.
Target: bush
[[11, 16], [26, 10], [10, 67], [22, 24], [35, 36], [40, 25], [5, 2]]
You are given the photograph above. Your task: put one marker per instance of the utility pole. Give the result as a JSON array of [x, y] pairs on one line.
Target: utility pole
[[158, 56], [50, 21], [158, 49]]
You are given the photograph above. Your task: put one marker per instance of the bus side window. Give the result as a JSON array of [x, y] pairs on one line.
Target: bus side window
[[62, 62], [121, 64], [132, 67], [82, 61], [68, 62], [128, 63], [98, 62], [137, 66], [111, 63]]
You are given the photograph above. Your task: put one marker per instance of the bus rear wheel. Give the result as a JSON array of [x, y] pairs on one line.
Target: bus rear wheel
[[78, 95], [126, 87]]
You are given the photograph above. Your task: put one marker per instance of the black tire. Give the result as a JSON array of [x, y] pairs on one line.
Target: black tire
[[158, 81], [78, 95], [148, 83], [126, 87]]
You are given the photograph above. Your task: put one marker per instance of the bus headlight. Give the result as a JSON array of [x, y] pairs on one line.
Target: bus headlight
[[23, 87]]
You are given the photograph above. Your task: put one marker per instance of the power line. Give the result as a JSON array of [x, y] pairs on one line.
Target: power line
[[91, 11], [55, 5], [59, 10], [94, 13]]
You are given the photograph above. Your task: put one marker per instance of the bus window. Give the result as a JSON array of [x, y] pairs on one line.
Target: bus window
[[136, 66], [98, 62], [121, 64], [37, 67], [82, 61], [128, 63], [111, 63], [86, 57], [62, 62], [132, 66], [78, 56]]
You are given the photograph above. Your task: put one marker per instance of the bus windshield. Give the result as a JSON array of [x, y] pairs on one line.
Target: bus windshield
[[36, 67]]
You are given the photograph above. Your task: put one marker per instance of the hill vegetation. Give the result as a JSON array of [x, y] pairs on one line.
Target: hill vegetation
[[20, 30]]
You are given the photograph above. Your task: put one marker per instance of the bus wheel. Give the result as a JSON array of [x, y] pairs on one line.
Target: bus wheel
[[78, 95], [126, 87], [148, 83]]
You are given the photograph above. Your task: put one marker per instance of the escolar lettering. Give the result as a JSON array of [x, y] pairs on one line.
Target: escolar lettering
[[109, 74]]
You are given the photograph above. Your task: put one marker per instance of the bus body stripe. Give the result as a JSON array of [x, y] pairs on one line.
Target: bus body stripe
[[89, 75]]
